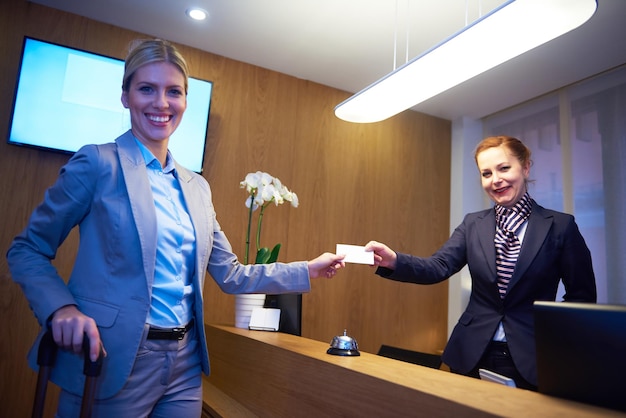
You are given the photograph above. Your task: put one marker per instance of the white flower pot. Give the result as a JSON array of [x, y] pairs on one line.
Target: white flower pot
[[244, 304]]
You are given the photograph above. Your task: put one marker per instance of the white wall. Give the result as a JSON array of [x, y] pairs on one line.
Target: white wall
[[466, 195]]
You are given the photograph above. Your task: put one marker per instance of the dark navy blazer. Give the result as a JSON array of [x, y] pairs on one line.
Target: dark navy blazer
[[552, 250]]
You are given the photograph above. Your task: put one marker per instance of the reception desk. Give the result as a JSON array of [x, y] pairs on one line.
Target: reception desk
[[271, 374]]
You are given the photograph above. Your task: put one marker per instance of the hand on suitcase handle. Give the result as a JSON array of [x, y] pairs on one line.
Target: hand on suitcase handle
[[69, 325], [91, 367], [48, 350], [46, 358]]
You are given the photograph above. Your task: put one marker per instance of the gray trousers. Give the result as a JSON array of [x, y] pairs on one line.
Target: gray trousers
[[166, 381]]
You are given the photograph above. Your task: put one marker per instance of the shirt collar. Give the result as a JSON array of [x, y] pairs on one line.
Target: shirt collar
[[152, 162]]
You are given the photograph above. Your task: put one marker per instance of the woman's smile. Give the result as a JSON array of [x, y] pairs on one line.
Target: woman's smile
[[159, 119], [157, 100], [502, 176]]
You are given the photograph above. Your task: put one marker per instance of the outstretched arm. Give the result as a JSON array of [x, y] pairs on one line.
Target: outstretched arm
[[326, 264], [383, 255]]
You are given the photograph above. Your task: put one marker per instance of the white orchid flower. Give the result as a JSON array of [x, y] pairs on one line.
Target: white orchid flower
[[292, 198], [263, 189], [267, 192], [249, 200]]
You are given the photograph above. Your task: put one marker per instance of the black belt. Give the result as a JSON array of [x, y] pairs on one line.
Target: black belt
[[169, 333], [500, 346]]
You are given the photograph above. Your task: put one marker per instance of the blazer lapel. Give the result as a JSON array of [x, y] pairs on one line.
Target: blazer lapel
[[141, 200], [486, 228], [199, 210], [193, 201], [538, 227]]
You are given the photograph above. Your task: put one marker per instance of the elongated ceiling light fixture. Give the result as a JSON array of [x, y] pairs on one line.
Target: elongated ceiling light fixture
[[508, 31]]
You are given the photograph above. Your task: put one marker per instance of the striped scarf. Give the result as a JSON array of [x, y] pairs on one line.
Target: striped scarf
[[508, 245]]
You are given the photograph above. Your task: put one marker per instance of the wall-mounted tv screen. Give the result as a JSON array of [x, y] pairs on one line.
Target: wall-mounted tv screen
[[66, 98]]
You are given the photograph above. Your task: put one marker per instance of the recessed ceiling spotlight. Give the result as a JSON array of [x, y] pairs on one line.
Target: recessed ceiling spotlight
[[196, 13]]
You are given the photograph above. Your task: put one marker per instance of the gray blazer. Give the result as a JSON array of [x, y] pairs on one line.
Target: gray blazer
[[104, 189]]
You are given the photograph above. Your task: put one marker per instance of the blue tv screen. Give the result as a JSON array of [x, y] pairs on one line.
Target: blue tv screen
[[66, 98]]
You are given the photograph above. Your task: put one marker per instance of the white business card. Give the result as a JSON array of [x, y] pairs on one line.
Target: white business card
[[355, 254]]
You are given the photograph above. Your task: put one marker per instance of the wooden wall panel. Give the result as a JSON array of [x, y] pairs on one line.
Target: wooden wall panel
[[387, 181]]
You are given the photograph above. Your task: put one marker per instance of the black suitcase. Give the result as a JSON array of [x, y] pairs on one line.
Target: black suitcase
[[46, 356]]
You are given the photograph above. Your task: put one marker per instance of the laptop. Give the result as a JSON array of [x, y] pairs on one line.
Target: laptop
[[581, 352]]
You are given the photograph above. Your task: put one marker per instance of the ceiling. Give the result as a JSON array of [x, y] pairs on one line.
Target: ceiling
[[349, 44]]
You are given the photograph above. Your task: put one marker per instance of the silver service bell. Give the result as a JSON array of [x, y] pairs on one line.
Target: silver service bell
[[343, 345]]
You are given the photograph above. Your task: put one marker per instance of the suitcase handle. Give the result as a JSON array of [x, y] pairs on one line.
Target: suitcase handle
[[91, 368], [46, 356], [47, 350]]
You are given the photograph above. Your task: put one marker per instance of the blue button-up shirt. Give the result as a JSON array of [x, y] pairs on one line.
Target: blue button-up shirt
[[172, 289]]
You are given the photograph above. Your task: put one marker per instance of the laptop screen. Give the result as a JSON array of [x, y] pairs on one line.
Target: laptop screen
[[581, 352]]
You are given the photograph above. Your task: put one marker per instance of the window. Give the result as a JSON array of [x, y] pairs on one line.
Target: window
[[578, 141]]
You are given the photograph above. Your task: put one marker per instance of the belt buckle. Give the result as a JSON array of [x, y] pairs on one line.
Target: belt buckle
[[179, 333]]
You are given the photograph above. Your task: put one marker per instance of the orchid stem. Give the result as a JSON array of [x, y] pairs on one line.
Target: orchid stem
[[258, 229], [245, 258]]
